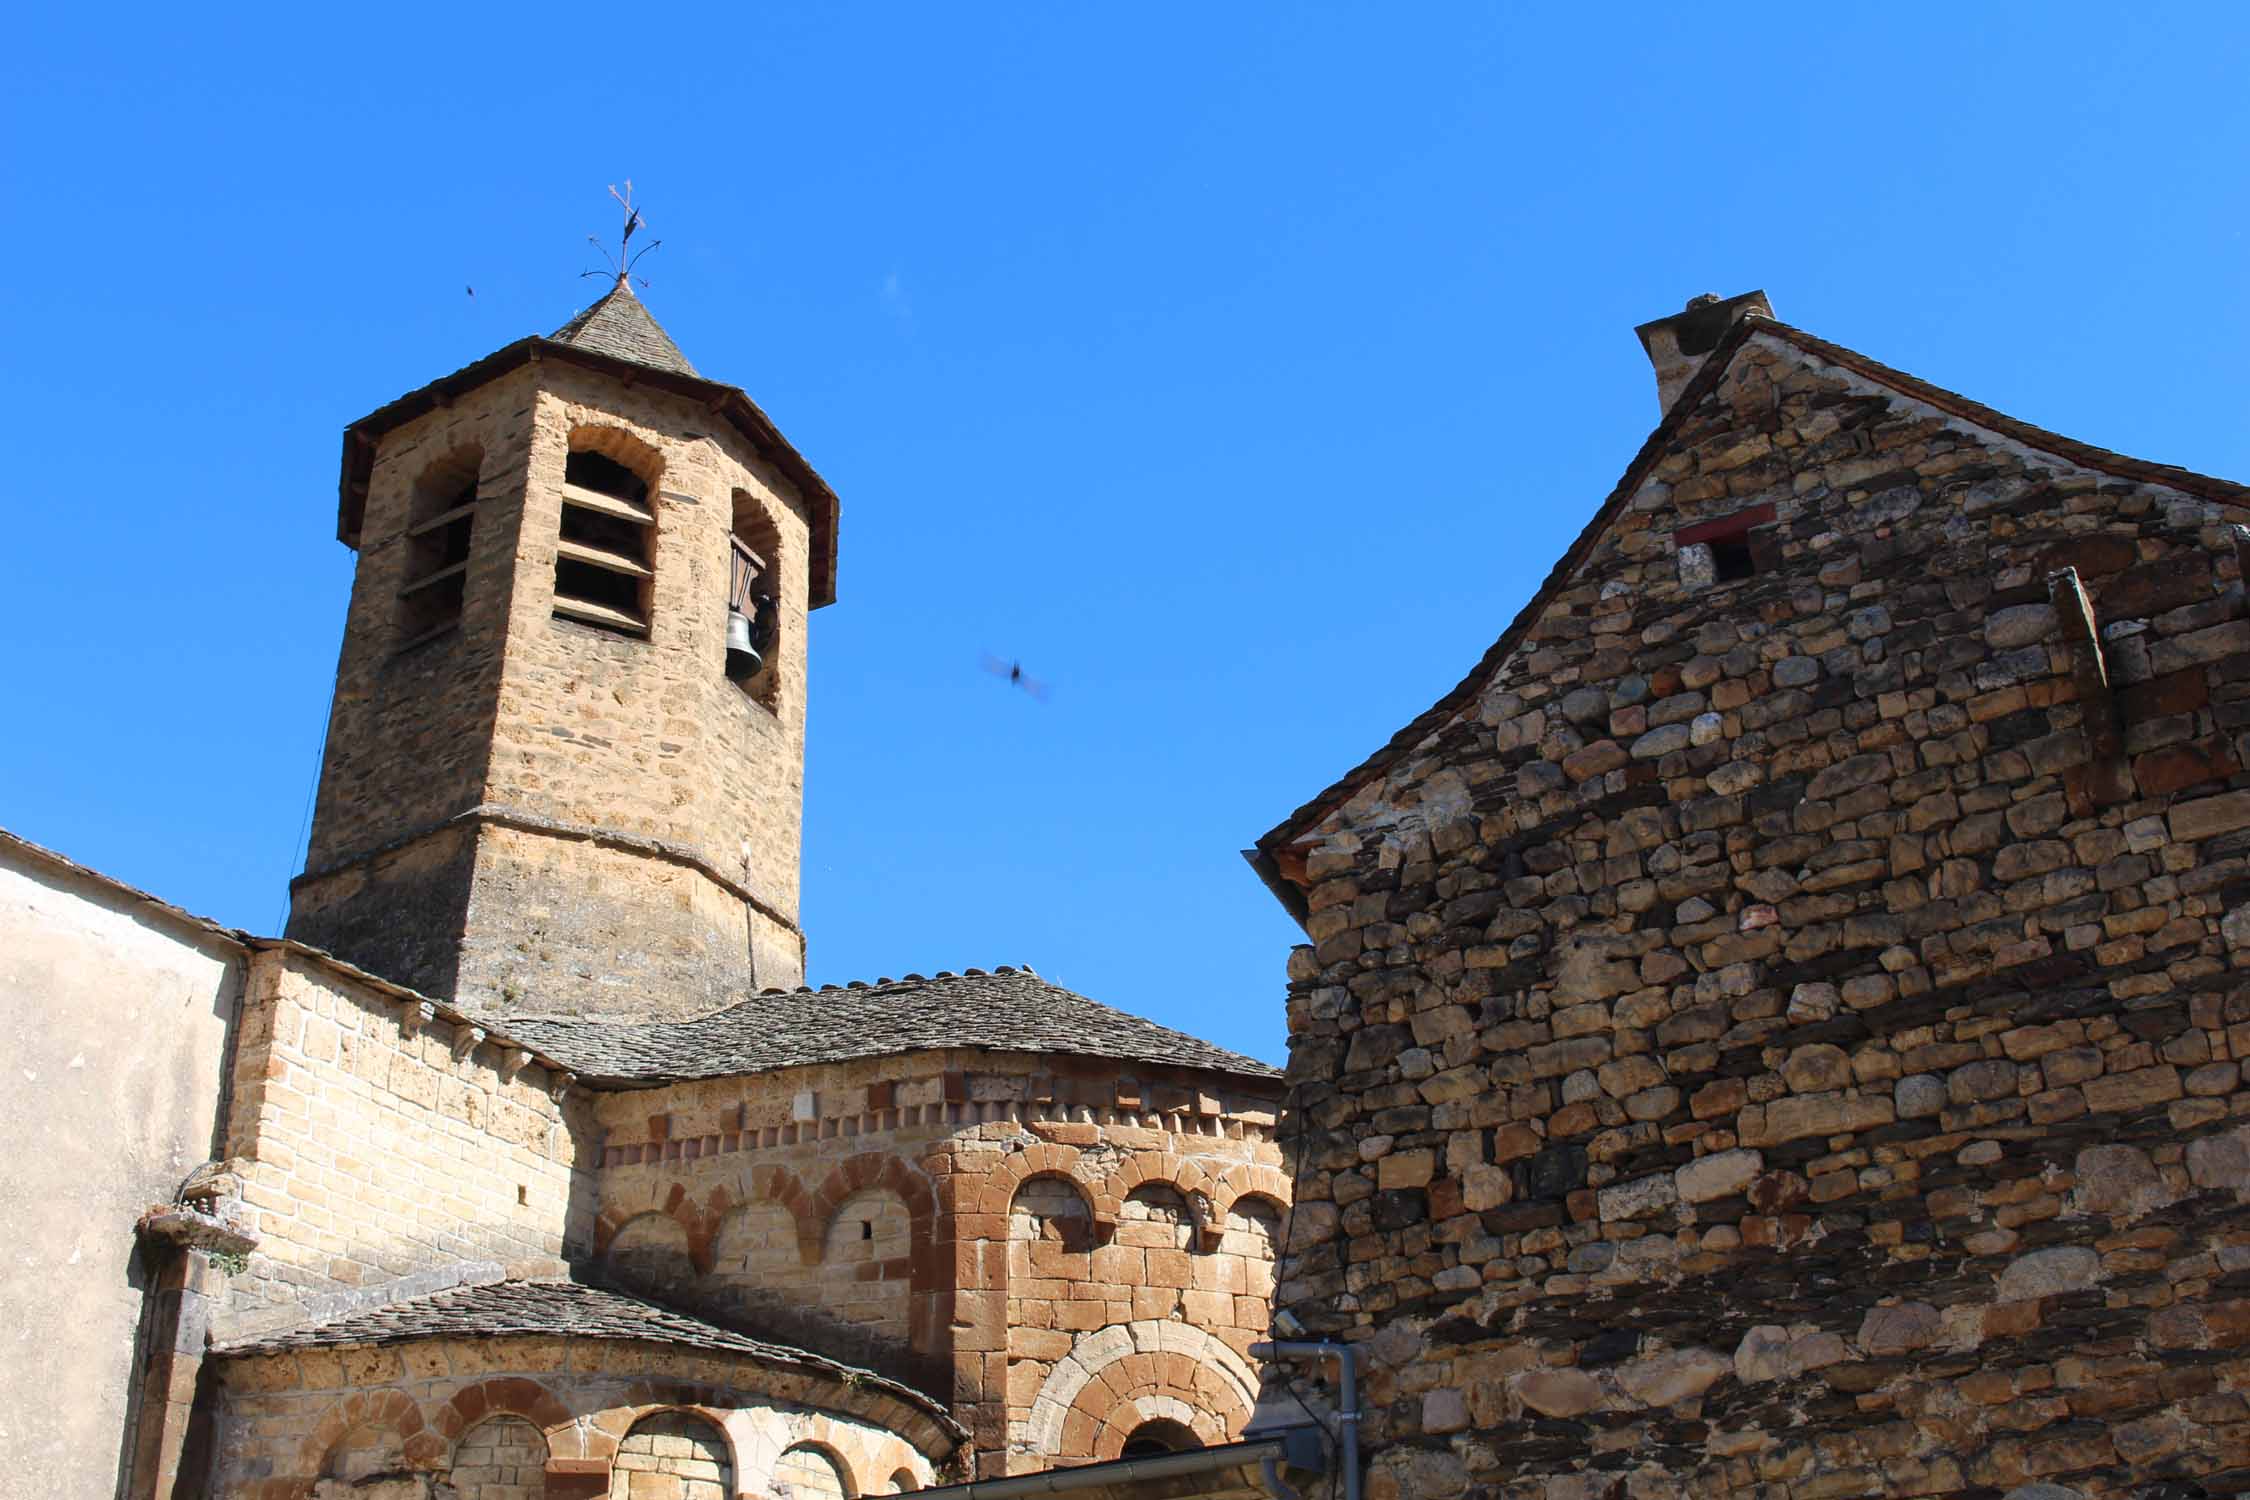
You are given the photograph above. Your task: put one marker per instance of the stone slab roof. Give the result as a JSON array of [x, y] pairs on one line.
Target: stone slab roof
[[558, 1308], [1006, 1010], [620, 326]]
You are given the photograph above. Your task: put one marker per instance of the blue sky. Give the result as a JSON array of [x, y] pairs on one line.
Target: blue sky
[[1239, 369]]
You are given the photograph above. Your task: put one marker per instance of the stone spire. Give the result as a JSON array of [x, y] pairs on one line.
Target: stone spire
[[621, 327]]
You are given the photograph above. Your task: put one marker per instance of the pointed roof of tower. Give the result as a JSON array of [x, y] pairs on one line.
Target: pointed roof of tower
[[619, 325], [618, 337]]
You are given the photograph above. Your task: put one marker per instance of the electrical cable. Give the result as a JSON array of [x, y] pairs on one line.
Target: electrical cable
[[1289, 1377], [304, 824]]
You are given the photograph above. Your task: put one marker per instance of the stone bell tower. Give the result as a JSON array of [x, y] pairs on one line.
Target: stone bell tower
[[565, 765]]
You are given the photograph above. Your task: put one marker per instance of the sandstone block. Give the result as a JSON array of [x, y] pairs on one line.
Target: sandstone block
[[1642, 1197], [1813, 1069], [2221, 1162], [1723, 1174], [2018, 625], [2139, 1089], [1899, 1329], [2047, 1273], [1672, 1377], [1557, 1393], [1800, 1115], [2207, 817], [2119, 1181], [1920, 1095]]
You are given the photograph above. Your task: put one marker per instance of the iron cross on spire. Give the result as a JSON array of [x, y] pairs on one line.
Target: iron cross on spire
[[621, 264]]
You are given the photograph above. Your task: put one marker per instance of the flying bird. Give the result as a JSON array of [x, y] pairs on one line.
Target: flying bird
[[1013, 671]]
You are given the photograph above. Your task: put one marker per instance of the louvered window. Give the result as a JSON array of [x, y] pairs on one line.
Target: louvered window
[[439, 526], [604, 553]]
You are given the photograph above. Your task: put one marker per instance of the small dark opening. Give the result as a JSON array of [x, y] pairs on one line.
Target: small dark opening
[[610, 533], [1159, 1436], [430, 607], [581, 580], [600, 472], [867, 1229], [1731, 556]]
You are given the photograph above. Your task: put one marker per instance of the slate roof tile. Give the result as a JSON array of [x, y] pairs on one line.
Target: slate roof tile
[[619, 325], [1006, 1010], [560, 1308]]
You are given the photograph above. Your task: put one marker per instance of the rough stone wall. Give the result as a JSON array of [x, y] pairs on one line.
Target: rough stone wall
[[1784, 1037], [372, 1146], [648, 738], [114, 1043], [865, 1209], [582, 1417], [631, 819], [409, 733]]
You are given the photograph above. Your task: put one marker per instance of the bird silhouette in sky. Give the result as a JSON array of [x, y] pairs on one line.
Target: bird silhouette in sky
[[1013, 671]]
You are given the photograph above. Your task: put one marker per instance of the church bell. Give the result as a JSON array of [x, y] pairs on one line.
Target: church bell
[[743, 656]]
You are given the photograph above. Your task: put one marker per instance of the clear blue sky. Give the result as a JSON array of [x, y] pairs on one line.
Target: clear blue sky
[[1241, 369]]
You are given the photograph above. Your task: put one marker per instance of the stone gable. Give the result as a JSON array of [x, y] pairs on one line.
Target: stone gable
[[1776, 1024]]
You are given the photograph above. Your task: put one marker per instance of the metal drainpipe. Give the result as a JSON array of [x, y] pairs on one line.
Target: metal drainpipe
[[1347, 1364]]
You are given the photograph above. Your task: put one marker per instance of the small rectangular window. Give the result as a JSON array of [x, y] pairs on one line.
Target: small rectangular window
[[1720, 551]]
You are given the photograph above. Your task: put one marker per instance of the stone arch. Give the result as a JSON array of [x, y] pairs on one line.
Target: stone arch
[[754, 1231], [503, 1395], [1251, 1233], [812, 1471], [1050, 1207], [367, 1422], [1155, 1215], [1043, 1160], [602, 1431], [1197, 1408], [766, 1434], [857, 1174], [1172, 1430], [648, 1465], [1184, 1175], [698, 1218], [754, 590], [1178, 1172], [501, 1457], [651, 1251], [902, 1482], [915, 1265], [619, 446], [1108, 1370], [1252, 1178], [868, 1262]]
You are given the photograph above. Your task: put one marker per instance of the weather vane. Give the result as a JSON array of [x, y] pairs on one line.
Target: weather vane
[[621, 264]]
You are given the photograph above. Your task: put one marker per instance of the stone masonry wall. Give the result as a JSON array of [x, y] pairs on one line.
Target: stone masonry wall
[[636, 816], [370, 1149], [409, 732], [443, 1416], [871, 1210], [648, 739], [1784, 1038]]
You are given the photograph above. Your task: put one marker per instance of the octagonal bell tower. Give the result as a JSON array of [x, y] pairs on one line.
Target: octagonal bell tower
[[564, 771]]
